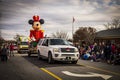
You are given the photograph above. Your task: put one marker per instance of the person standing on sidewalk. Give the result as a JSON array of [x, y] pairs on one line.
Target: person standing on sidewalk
[[4, 53], [107, 52], [113, 53], [8, 49], [11, 49]]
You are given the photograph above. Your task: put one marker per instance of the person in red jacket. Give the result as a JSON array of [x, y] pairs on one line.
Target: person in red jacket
[[113, 48], [113, 53], [11, 49]]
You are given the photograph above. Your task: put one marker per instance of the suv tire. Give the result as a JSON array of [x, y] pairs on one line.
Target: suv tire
[[39, 56], [29, 53], [50, 59]]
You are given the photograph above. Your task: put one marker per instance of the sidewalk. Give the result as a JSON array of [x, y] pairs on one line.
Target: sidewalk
[[100, 66]]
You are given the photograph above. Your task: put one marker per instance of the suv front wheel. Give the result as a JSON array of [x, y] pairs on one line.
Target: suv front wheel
[[50, 59], [39, 56]]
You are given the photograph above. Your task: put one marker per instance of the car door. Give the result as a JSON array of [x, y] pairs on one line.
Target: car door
[[39, 46], [45, 48]]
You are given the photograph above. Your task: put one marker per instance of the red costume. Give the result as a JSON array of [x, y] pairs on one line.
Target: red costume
[[36, 33]]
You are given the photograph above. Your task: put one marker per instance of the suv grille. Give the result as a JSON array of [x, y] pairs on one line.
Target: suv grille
[[67, 55], [72, 50]]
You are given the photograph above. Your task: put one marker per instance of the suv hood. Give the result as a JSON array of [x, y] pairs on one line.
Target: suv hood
[[62, 46]]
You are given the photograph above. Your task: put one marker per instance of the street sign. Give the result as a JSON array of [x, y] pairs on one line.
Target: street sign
[[90, 74]]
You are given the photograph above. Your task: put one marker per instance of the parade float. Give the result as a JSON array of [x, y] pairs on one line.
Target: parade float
[[36, 33]]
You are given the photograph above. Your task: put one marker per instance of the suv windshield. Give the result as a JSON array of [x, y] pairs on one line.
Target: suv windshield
[[24, 43], [58, 42]]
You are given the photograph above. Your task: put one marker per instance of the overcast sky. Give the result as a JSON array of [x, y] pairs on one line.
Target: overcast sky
[[58, 15]]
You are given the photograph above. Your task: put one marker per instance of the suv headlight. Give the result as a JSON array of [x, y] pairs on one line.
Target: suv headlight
[[76, 50], [56, 50], [20, 46]]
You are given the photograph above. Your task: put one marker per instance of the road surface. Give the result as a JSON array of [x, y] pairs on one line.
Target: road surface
[[22, 67]]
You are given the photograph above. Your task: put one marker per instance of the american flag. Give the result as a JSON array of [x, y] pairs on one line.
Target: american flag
[[73, 19]]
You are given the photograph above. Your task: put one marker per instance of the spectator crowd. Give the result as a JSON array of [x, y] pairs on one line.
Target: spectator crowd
[[96, 52]]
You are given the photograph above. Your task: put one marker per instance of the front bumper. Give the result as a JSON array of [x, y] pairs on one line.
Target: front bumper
[[66, 56], [23, 50], [67, 59], [33, 51]]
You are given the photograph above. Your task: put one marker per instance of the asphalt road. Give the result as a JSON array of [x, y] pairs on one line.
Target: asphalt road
[[22, 67]]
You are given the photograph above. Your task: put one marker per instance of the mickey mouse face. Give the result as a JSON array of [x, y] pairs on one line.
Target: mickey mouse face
[[36, 25]]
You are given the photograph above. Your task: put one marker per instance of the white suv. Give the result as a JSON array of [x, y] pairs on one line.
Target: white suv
[[57, 49]]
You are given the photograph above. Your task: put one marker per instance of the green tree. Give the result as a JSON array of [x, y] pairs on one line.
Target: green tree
[[85, 34], [1, 39]]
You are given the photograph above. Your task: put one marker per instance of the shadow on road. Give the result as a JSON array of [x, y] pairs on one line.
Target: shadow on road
[[43, 63]]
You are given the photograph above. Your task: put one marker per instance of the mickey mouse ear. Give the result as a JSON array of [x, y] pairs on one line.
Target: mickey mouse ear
[[41, 21], [30, 21]]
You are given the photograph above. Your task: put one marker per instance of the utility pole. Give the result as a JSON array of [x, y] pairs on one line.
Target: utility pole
[[73, 28]]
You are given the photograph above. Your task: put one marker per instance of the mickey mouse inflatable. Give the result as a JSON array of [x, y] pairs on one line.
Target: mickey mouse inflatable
[[36, 33]]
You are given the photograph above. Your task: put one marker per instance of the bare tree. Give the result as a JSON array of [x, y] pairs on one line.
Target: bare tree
[[85, 34], [60, 34], [0, 34], [17, 36], [1, 39], [115, 23]]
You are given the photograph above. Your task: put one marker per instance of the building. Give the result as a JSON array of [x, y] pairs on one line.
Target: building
[[110, 35]]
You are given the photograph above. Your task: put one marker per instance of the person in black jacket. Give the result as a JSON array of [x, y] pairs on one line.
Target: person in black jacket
[[107, 52], [4, 53]]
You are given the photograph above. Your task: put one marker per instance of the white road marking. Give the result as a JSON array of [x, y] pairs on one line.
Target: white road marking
[[91, 74]]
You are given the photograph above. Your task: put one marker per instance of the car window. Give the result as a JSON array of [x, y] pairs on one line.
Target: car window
[[24, 43], [58, 42], [40, 41], [45, 43], [15, 44]]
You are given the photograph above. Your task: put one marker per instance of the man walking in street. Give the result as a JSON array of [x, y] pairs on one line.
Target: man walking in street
[[11, 49], [4, 53]]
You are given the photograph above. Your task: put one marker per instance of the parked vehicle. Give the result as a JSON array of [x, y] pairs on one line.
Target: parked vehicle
[[15, 46], [22, 43], [57, 49]]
